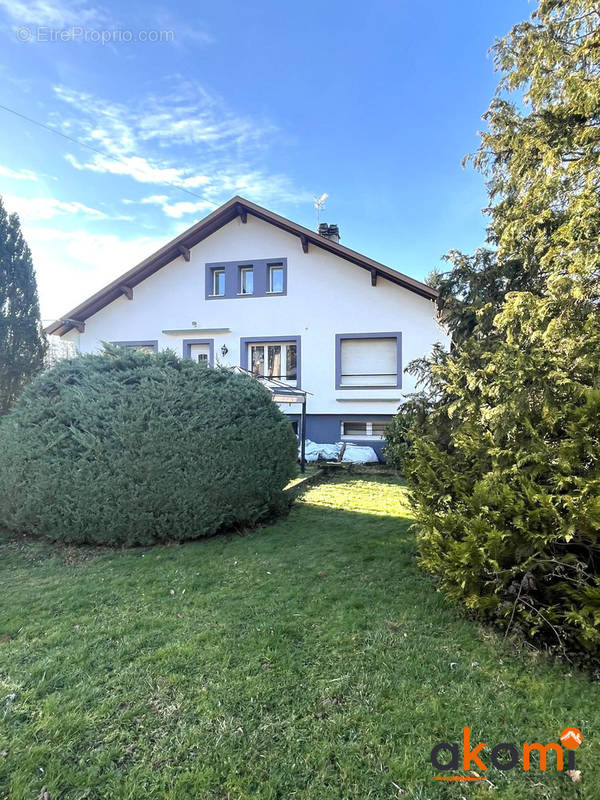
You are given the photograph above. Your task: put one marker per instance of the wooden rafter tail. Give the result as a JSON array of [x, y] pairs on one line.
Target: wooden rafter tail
[[184, 251], [78, 324]]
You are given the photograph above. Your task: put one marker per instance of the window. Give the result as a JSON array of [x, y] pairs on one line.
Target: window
[[362, 428], [199, 350], [218, 285], [246, 280], [368, 360], [275, 360], [275, 278], [379, 429], [248, 277], [354, 428], [144, 347]]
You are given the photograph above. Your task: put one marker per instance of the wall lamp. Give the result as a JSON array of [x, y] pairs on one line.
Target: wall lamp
[[224, 350]]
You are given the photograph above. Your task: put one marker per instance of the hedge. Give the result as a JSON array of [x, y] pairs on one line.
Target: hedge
[[133, 448]]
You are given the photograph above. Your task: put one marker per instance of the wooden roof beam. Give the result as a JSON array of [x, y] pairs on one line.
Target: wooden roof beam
[[184, 251], [304, 240], [76, 323], [373, 277], [127, 291], [242, 213]]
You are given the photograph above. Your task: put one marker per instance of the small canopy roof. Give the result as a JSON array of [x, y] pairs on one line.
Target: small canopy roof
[[282, 392]]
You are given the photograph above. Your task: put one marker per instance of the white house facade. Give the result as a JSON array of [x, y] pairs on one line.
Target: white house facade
[[246, 287]]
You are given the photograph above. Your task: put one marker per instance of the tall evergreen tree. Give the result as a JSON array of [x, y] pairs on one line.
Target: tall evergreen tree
[[540, 156], [22, 343], [501, 448]]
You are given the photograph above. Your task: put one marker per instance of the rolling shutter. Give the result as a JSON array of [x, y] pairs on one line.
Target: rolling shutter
[[369, 362]]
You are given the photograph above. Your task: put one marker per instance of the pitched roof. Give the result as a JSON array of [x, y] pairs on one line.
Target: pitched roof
[[236, 207]]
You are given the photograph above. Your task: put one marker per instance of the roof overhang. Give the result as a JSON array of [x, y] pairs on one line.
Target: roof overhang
[[180, 248]]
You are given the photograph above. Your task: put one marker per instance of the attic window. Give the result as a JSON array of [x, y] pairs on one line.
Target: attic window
[[275, 278], [246, 280], [218, 282], [250, 277]]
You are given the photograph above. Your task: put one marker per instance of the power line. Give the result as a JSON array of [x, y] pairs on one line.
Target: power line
[[95, 150]]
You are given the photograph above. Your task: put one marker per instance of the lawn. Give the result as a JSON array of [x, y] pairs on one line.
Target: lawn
[[306, 659]]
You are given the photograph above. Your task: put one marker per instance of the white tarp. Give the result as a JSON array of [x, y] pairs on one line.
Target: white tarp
[[353, 453], [359, 454], [316, 451]]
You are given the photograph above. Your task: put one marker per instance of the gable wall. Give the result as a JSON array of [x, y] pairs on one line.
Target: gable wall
[[325, 295]]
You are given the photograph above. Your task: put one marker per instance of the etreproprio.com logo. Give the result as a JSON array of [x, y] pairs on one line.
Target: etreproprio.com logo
[[78, 33]]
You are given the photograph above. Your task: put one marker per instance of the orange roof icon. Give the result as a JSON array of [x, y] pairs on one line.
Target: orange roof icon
[[571, 738]]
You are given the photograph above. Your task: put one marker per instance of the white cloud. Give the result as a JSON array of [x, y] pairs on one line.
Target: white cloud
[[79, 18], [187, 115], [184, 138], [179, 209], [102, 124], [51, 13], [187, 30], [140, 169], [18, 174], [147, 141], [72, 265], [195, 125], [39, 208], [257, 185]]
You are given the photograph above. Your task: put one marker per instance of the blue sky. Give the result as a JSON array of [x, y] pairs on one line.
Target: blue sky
[[374, 103]]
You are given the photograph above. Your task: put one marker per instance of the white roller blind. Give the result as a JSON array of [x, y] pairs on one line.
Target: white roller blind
[[369, 362]]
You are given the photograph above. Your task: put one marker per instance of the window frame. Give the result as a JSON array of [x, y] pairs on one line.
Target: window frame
[[270, 268], [187, 345], [247, 341], [245, 269], [214, 272], [132, 344], [368, 428], [261, 278], [341, 337], [283, 348]]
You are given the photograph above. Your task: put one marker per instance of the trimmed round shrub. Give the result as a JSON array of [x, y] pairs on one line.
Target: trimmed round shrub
[[132, 448]]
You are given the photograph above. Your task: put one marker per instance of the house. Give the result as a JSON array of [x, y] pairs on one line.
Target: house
[[247, 287]]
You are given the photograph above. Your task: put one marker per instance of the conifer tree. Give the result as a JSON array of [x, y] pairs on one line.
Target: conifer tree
[[540, 156], [501, 448], [22, 343]]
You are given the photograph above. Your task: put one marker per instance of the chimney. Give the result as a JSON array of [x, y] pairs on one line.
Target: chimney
[[329, 231]]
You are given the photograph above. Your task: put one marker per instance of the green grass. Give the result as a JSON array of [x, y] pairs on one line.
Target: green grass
[[307, 659]]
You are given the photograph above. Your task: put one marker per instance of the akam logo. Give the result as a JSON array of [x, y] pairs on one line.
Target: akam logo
[[503, 756], [571, 738]]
